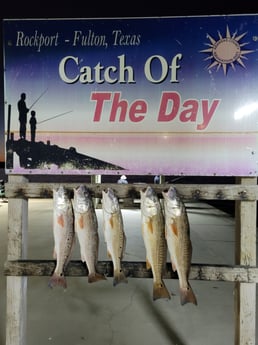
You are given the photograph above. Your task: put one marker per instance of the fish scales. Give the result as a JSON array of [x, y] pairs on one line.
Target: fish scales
[[153, 232], [177, 232], [64, 236], [86, 229], [113, 228]]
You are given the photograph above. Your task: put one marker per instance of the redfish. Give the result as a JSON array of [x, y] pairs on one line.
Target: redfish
[[86, 228], [179, 243], [64, 235], [153, 233], [114, 234]]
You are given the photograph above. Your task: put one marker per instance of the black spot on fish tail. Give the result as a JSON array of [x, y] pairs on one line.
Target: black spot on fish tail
[[57, 280], [119, 277], [187, 295], [160, 291]]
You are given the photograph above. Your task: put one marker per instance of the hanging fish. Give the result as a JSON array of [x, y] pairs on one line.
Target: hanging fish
[[86, 228], [154, 240], [114, 234], [177, 231], [64, 236]]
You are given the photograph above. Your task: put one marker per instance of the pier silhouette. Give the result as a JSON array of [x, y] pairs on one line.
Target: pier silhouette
[[40, 155]]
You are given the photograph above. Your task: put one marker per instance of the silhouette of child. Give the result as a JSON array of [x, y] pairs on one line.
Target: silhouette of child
[[33, 123]]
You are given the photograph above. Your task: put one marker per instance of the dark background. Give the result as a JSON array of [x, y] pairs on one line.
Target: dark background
[[86, 9]]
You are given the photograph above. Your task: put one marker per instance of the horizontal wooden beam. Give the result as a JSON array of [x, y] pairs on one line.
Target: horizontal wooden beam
[[134, 269], [186, 191]]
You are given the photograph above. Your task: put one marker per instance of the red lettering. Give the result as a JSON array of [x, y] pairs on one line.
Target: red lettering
[[190, 113], [100, 98], [120, 108], [169, 106], [138, 107], [116, 105]]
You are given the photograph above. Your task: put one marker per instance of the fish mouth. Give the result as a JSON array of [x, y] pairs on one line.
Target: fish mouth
[[110, 194], [62, 193], [149, 202], [82, 190], [172, 193], [82, 199], [110, 201], [150, 194]]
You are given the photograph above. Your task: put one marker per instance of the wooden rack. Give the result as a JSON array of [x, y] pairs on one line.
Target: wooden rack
[[244, 273]]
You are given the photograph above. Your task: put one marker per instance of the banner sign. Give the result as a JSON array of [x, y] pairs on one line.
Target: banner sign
[[135, 96]]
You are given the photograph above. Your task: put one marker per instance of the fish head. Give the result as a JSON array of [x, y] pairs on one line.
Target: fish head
[[173, 203], [150, 204], [82, 199], [110, 201], [61, 198]]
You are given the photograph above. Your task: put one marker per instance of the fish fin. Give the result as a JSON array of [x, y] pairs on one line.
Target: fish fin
[[187, 295], [174, 229], [160, 291], [57, 280], [150, 226], [119, 277], [83, 259], [109, 254], [95, 277], [173, 266], [60, 220], [81, 222], [148, 265], [111, 222]]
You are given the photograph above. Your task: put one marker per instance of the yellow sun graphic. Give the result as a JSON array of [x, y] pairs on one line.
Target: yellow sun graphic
[[226, 51]]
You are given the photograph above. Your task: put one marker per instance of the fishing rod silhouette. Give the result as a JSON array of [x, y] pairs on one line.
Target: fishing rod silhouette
[[52, 117], [41, 95]]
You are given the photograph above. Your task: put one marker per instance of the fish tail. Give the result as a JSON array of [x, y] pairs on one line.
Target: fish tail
[[160, 291], [95, 277], [57, 280], [187, 295], [119, 277]]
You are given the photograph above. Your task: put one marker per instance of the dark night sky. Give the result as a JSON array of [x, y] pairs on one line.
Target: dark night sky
[[79, 9]]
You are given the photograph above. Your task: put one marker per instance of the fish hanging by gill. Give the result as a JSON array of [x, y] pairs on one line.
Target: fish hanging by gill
[[177, 232], [153, 233], [86, 228], [64, 236], [114, 234]]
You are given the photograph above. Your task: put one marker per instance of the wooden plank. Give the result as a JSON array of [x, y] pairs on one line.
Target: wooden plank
[[16, 290], [245, 254], [134, 269], [187, 191], [96, 179], [16, 310], [245, 274]]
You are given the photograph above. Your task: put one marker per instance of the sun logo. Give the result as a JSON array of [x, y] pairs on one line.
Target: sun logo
[[226, 51]]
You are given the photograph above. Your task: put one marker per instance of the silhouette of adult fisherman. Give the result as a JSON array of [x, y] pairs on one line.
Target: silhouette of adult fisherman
[[33, 125], [23, 111]]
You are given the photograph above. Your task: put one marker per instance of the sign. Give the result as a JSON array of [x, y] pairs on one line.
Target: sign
[[135, 96]]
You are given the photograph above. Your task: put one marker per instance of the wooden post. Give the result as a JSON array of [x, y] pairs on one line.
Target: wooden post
[[245, 254], [9, 122], [96, 179], [16, 289]]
